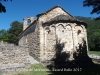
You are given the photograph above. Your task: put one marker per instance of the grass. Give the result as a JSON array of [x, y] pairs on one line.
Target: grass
[[94, 52], [37, 69], [34, 70]]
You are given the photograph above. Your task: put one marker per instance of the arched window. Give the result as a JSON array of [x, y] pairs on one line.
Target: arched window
[[78, 32], [28, 22]]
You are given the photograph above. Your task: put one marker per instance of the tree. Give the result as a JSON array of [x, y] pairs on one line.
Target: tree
[[96, 40], [95, 4], [3, 35], [2, 8], [11, 35], [93, 32], [14, 31]]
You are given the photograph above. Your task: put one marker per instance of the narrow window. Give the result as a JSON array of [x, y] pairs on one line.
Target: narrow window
[[28, 22], [79, 31]]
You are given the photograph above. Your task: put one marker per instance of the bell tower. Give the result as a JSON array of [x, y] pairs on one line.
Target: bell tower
[[27, 22]]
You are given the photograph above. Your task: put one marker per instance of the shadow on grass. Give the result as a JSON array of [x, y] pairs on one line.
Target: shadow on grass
[[81, 65]]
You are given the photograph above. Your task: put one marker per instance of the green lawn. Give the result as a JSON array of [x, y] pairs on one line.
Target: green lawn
[[94, 52], [37, 69]]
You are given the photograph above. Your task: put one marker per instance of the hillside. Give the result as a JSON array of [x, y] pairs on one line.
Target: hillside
[[84, 18]]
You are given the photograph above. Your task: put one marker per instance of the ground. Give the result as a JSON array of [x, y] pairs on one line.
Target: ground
[[82, 68]]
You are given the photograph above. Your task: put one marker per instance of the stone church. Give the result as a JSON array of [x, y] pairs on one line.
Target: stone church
[[54, 31]]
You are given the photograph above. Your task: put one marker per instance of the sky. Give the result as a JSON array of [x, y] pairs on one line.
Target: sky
[[19, 9]]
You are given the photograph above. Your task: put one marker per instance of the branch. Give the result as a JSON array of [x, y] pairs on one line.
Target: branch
[[2, 8]]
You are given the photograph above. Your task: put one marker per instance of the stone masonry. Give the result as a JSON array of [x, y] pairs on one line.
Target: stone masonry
[[54, 31], [14, 57]]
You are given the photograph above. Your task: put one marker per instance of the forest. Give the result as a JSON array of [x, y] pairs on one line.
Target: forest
[[93, 32]]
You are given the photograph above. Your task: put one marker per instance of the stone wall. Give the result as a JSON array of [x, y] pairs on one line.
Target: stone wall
[[13, 57], [62, 33], [30, 37], [34, 44]]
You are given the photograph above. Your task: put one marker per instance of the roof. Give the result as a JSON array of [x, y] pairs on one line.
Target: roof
[[69, 17], [61, 17], [64, 18]]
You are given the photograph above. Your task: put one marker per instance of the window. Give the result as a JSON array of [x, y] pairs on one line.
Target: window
[[78, 32], [28, 22]]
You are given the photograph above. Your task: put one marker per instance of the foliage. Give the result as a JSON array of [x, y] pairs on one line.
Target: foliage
[[11, 35], [93, 32], [2, 7], [14, 31], [3, 35], [95, 4]]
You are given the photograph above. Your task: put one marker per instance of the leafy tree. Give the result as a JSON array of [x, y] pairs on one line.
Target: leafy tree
[[14, 31], [11, 35], [93, 32], [2, 32], [3, 35], [96, 40], [95, 4], [2, 7]]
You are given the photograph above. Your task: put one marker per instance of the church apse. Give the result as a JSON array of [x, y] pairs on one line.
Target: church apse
[[60, 33], [64, 37]]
